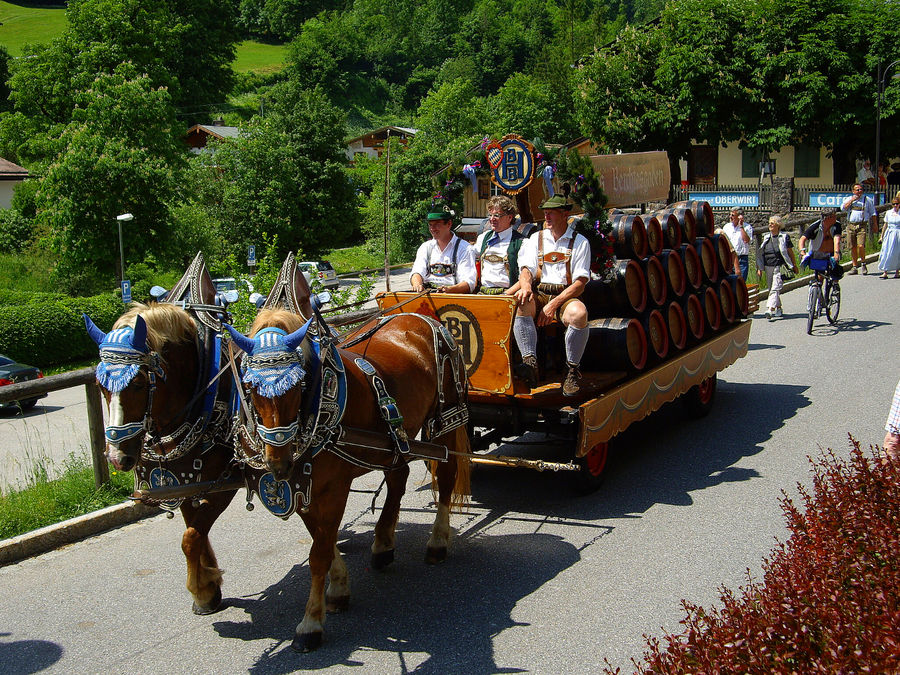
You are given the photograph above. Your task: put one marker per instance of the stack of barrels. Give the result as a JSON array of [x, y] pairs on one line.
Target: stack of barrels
[[673, 286]]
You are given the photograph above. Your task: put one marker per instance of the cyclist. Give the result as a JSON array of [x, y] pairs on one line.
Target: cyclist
[[824, 239]]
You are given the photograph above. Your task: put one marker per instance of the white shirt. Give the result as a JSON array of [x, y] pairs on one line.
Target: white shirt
[[555, 273], [428, 254], [860, 210], [864, 175], [740, 246], [495, 274], [892, 218]]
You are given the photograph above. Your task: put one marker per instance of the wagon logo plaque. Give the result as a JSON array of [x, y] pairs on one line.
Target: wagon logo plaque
[[514, 169], [466, 331]]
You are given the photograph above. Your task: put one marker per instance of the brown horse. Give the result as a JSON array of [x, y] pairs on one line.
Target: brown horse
[[170, 424], [416, 368]]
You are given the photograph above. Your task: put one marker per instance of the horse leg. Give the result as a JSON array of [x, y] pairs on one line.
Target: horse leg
[[337, 597], [452, 476], [322, 521], [385, 529], [204, 578]]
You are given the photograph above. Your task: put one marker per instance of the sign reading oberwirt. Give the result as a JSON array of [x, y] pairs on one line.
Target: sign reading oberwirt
[[512, 163]]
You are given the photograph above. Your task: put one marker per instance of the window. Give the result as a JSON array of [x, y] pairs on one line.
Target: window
[[806, 161], [750, 159]]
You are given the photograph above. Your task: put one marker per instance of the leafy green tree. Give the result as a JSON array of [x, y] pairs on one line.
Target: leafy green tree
[[532, 108], [121, 153], [451, 111], [283, 175]]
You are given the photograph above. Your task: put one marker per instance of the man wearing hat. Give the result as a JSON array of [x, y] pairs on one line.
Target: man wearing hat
[[556, 261], [893, 178], [445, 262]]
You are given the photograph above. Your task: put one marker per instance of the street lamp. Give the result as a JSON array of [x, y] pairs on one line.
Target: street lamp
[[882, 76], [125, 217]]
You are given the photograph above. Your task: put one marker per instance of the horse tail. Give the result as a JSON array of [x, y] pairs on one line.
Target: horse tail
[[457, 442]]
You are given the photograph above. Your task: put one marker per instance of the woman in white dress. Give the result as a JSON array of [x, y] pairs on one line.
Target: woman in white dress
[[890, 241]]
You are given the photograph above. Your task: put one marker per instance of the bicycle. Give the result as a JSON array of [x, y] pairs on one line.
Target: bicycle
[[827, 299]]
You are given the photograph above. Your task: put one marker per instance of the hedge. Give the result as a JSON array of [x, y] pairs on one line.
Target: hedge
[[49, 331], [830, 599]]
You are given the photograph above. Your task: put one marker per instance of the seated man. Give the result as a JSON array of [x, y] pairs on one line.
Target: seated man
[[498, 249], [445, 262], [556, 263]]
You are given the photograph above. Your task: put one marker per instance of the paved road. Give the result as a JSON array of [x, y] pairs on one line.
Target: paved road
[[44, 437], [537, 580]]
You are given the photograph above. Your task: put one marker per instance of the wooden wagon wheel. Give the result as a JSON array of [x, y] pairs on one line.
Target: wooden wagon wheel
[[593, 465], [699, 399]]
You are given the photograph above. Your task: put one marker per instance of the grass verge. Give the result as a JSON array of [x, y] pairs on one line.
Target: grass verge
[[46, 502]]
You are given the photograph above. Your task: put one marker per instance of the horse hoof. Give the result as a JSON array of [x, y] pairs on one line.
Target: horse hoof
[[307, 643], [382, 559], [434, 556], [336, 605], [214, 605]]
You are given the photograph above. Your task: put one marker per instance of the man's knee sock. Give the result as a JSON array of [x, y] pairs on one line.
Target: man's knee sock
[[576, 341], [526, 335]]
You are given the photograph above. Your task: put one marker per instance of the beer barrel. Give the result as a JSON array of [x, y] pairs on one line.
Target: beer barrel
[[724, 251], [629, 236], [709, 300], [655, 241], [693, 269], [674, 269], [677, 325], [671, 229], [741, 295], [624, 293], [709, 262], [703, 215], [656, 280], [694, 316], [727, 301], [657, 334], [615, 344]]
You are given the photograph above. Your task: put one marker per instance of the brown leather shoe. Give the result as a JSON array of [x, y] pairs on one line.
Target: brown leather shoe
[[527, 371], [572, 385]]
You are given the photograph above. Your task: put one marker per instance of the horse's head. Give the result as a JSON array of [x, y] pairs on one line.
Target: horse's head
[[274, 365], [135, 373]]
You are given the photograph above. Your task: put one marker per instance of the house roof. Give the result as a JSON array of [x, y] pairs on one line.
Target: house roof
[[8, 170], [409, 131], [216, 130]]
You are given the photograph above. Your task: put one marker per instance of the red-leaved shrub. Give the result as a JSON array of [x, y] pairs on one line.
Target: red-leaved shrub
[[830, 597]]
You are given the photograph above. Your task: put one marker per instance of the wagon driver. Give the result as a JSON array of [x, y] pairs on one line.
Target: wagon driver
[[444, 263], [556, 263], [498, 250]]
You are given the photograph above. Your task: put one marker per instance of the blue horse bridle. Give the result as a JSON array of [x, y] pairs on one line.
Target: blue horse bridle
[[116, 434]]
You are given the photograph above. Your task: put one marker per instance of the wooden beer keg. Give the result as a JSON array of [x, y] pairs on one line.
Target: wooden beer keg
[[709, 263], [676, 322], [694, 316], [625, 293], [629, 236], [703, 215], [741, 294], [657, 331], [671, 229], [615, 344], [709, 299], [657, 288], [675, 272], [727, 301], [724, 253], [655, 241], [693, 269]]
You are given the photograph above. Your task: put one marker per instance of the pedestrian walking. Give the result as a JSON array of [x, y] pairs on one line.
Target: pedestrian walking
[[889, 260], [775, 250], [892, 427]]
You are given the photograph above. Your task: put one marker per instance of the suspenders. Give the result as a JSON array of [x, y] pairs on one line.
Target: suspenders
[[554, 257], [511, 259]]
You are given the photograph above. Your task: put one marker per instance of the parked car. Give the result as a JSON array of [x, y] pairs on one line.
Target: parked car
[[223, 284], [11, 372], [321, 271]]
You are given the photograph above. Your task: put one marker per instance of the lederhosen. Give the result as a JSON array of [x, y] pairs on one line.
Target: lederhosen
[[510, 261], [442, 269], [545, 292]]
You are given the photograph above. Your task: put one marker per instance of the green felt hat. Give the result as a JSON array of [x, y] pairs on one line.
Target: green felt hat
[[440, 212], [556, 202]]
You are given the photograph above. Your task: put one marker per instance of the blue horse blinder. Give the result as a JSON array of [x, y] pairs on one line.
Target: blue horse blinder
[[123, 352]]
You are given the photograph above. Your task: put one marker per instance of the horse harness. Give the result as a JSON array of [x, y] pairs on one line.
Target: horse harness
[[318, 425]]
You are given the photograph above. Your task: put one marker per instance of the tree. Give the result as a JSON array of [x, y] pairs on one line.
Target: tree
[[284, 176], [120, 154], [532, 108]]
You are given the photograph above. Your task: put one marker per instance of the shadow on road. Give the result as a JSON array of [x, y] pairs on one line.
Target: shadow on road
[[436, 619], [28, 656]]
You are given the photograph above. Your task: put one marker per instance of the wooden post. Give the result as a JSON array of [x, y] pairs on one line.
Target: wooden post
[[98, 438]]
